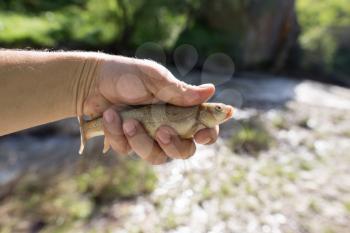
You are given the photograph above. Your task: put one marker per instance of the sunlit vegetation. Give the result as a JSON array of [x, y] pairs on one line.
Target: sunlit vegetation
[[324, 36], [314, 206], [279, 122], [107, 24], [347, 206], [66, 201], [122, 26], [238, 175], [251, 138]]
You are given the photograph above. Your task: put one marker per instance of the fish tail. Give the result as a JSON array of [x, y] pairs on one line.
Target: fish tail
[[83, 137]]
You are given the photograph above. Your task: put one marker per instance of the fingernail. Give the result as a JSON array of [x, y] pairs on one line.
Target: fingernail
[[206, 85], [109, 116], [163, 136], [129, 128], [204, 141]]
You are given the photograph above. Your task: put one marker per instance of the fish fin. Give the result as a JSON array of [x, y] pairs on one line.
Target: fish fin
[[83, 138], [106, 146]]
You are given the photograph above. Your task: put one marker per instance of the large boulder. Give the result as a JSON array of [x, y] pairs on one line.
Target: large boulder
[[256, 33]]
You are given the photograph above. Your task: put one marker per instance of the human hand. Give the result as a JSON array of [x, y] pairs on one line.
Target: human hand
[[126, 81]]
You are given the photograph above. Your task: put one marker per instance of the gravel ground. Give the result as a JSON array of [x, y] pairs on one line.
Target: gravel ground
[[300, 184]]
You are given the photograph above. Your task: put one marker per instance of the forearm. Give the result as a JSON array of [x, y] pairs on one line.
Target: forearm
[[41, 87]]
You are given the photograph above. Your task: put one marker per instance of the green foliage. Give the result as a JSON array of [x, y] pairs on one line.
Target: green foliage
[[207, 193], [29, 29], [314, 206], [37, 5], [273, 169], [66, 201], [305, 165], [170, 222], [211, 41], [323, 13], [104, 184], [347, 206], [121, 26], [279, 122], [94, 24], [329, 230], [75, 25], [324, 24], [160, 25], [251, 138], [238, 176]]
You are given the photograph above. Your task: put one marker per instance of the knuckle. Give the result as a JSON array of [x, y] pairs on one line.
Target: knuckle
[[151, 67], [155, 67]]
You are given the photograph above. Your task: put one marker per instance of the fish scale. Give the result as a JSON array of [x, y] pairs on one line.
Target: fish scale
[[186, 121]]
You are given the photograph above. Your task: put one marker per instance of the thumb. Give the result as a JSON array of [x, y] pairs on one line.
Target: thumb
[[165, 87], [183, 94]]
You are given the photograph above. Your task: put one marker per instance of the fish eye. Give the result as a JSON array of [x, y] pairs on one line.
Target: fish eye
[[218, 108]]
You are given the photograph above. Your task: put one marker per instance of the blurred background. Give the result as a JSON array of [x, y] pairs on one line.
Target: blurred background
[[283, 163]]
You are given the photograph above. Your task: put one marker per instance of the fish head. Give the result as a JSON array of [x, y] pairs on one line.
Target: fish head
[[212, 114]]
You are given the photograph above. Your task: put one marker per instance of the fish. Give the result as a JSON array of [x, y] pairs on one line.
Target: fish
[[186, 121]]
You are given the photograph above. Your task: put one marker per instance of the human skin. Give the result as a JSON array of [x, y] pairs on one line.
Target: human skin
[[128, 81], [60, 85]]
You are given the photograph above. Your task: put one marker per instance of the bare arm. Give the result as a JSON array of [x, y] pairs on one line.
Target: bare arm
[[41, 87]]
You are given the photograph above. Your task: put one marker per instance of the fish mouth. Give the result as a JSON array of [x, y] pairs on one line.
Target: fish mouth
[[229, 113]]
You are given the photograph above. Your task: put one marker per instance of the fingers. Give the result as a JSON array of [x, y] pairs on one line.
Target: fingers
[[165, 87], [182, 94], [135, 81], [207, 136], [142, 143], [130, 135], [174, 146], [114, 133]]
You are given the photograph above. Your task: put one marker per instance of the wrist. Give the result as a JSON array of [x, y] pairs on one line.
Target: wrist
[[90, 102]]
